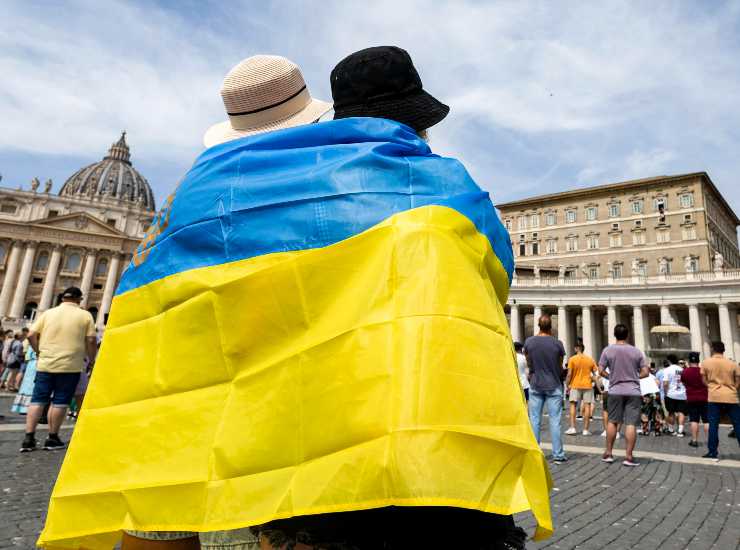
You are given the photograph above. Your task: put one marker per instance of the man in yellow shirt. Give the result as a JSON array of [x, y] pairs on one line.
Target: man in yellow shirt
[[581, 368], [61, 337]]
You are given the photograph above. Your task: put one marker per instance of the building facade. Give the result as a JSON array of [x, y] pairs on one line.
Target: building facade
[[658, 252], [654, 226], [83, 236]]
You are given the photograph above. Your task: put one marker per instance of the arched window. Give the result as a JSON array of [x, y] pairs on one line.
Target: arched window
[[42, 261], [102, 268], [72, 263]]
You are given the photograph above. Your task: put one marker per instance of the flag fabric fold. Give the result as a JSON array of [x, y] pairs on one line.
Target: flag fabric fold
[[314, 323]]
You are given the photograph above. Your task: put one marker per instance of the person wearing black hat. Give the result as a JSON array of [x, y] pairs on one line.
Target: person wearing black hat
[[61, 337], [696, 397], [382, 82]]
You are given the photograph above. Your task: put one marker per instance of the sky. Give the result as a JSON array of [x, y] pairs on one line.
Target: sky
[[544, 96]]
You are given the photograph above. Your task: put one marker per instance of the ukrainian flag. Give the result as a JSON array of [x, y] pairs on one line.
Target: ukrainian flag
[[313, 324]]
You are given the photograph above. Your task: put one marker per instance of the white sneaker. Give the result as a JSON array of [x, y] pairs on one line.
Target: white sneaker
[[586, 432], [570, 431], [639, 432], [603, 434], [619, 436]]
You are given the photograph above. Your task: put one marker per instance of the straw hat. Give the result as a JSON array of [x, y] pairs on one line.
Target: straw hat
[[264, 93]]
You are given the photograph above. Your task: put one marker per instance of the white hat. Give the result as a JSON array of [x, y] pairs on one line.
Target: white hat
[[264, 93]]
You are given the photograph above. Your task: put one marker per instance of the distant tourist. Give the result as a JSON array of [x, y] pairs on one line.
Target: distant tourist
[[23, 397], [581, 370], [545, 355], [61, 337], [521, 363], [696, 397], [722, 378], [14, 361], [675, 396], [624, 365], [5, 373]]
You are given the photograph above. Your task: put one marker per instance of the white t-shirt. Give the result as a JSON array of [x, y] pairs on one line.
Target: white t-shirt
[[676, 389], [521, 363]]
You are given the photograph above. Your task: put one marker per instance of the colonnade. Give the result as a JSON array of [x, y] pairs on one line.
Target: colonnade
[[19, 269], [594, 324]]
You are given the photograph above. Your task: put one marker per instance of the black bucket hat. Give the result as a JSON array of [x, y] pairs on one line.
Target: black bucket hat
[[382, 82]]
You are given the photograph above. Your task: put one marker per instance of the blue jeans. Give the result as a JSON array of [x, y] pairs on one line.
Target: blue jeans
[[554, 401], [715, 411]]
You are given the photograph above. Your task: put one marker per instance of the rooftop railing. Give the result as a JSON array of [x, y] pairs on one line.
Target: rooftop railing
[[632, 280]]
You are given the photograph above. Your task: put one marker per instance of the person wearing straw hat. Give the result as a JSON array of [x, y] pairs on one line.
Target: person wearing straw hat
[[286, 277]]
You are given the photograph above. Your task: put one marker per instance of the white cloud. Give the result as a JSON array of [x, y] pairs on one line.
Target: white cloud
[[542, 95]]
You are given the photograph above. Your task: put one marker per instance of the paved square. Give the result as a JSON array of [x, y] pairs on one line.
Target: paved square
[[675, 501]]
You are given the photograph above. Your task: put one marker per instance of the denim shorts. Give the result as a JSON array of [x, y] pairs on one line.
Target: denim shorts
[[57, 388]]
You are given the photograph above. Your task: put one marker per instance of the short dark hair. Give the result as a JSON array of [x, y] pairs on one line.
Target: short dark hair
[[673, 359], [25, 329], [72, 293], [694, 357], [718, 347], [545, 322], [621, 332], [579, 346], [518, 346]]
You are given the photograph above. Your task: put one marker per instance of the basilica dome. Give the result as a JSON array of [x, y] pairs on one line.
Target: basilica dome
[[113, 178]]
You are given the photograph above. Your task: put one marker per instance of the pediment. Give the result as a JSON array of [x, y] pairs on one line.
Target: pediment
[[79, 221]]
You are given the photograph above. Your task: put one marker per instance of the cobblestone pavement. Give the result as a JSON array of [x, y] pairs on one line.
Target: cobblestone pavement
[[665, 504]]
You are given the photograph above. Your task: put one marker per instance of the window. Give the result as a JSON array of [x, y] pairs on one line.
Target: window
[[591, 213], [638, 237], [615, 241], [534, 221], [521, 223], [663, 236], [642, 269], [52, 214], [686, 200], [535, 248], [693, 264], [42, 261], [688, 233], [522, 249], [687, 217], [570, 216], [571, 244], [617, 271], [592, 242], [552, 246], [507, 224], [593, 272], [550, 218], [102, 267], [111, 222], [638, 206], [638, 223], [614, 210], [97, 286], [661, 204], [37, 280], [72, 263], [8, 208], [615, 227]]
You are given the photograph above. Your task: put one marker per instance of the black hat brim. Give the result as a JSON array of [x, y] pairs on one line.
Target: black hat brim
[[419, 110]]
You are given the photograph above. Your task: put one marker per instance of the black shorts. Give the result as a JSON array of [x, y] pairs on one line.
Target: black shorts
[[698, 411], [625, 409], [675, 405]]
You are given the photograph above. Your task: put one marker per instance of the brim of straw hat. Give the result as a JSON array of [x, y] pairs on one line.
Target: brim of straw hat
[[223, 131], [419, 110]]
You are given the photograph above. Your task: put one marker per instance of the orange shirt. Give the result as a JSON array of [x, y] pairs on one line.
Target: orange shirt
[[581, 366], [722, 377]]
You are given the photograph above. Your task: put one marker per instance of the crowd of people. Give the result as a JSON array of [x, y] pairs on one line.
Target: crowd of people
[[637, 397], [47, 366]]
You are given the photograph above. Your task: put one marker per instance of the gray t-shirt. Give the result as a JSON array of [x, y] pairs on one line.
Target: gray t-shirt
[[545, 355], [624, 363]]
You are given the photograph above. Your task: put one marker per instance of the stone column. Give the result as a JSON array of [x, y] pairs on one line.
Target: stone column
[[735, 336], [515, 323], [87, 276], [564, 333], [706, 340], [697, 343], [110, 287], [611, 322], [588, 331], [725, 328], [638, 319], [47, 292], [19, 299], [11, 272], [536, 318]]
